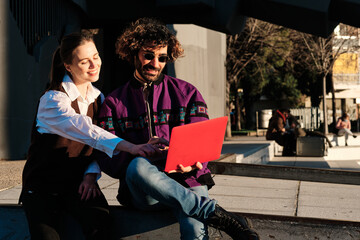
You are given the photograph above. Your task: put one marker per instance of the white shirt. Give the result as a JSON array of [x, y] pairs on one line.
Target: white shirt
[[56, 116]]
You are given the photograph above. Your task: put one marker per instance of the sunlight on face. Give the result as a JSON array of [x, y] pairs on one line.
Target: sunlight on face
[[86, 64], [150, 62]]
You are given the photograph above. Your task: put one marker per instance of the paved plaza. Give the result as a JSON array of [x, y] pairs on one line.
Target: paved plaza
[[250, 195]]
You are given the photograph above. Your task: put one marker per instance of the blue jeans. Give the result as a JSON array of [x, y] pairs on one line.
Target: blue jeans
[[152, 189]]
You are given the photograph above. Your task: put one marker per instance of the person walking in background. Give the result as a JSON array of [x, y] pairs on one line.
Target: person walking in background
[[149, 105], [344, 126], [60, 174]]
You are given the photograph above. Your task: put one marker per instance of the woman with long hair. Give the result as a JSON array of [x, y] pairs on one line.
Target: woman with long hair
[[60, 175]]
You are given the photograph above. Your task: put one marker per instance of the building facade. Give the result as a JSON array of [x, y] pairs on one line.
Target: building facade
[[345, 73]]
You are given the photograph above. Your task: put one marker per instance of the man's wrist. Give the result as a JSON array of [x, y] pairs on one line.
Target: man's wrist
[[91, 176]]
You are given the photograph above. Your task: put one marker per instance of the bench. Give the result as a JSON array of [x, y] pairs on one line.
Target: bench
[[128, 224], [131, 225], [339, 140]]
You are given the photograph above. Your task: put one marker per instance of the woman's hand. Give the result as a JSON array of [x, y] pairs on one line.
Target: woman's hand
[[144, 150], [88, 188], [182, 169]]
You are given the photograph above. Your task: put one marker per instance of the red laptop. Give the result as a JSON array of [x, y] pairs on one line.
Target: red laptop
[[196, 142]]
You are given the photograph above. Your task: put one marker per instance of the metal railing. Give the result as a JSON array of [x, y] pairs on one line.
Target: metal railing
[[309, 118]]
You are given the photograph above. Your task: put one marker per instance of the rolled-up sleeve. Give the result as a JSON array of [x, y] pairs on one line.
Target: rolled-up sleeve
[[56, 116]]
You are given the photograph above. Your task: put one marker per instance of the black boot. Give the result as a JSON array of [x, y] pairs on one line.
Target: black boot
[[235, 226]]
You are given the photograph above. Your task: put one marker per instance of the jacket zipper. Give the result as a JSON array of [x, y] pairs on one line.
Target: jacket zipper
[[146, 91]]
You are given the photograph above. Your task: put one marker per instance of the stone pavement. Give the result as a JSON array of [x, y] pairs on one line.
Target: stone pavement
[[10, 172], [250, 195], [262, 196]]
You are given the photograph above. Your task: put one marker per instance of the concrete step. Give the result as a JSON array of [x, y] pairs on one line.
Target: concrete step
[[260, 151], [340, 140], [256, 152], [343, 153], [338, 152]]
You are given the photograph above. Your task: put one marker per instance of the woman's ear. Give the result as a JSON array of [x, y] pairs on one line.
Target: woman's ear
[[67, 67]]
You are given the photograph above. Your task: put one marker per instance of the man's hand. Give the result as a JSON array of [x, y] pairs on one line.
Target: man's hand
[[161, 143], [88, 187], [182, 169]]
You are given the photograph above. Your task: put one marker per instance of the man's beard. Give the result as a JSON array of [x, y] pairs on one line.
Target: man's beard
[[141, 70]]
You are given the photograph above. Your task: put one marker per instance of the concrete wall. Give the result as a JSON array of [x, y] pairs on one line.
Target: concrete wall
[[22, 79], [203, 64], [3, 74]]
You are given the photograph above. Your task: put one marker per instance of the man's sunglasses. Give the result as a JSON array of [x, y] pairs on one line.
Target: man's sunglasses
[[151, 56]]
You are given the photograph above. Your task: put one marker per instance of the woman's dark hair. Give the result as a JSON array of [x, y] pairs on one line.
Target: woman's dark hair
[[344, 116], [146, 31], [64, 54]]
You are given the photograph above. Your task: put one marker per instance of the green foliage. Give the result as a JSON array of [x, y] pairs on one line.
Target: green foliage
[[243, 132], [271, 72], [283, 87], [280, 64]]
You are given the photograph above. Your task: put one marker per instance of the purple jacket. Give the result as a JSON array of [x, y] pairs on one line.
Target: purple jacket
[[172, 102]]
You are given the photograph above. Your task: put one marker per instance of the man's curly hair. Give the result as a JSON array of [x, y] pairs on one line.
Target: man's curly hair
[[147, 31]]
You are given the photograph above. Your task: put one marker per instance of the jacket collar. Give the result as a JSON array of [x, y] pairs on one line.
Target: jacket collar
[[138, 84]]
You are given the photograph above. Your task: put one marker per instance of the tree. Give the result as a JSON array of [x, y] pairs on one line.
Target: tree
[[318, 55], [277, 69], [280, 63], [258, 60], [241, 50]]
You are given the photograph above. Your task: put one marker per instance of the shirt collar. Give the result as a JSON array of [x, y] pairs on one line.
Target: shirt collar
[[73, 93]]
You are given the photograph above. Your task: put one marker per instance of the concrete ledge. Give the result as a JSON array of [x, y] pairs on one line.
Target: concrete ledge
[[132, 224], [337, 140], [128, 224], [256, 152], [13, 223], [285, 172]]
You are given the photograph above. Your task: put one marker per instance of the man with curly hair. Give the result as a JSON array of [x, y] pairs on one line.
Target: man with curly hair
[[149, 105]]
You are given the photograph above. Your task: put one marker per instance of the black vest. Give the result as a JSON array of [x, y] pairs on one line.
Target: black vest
[[57, 164]]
